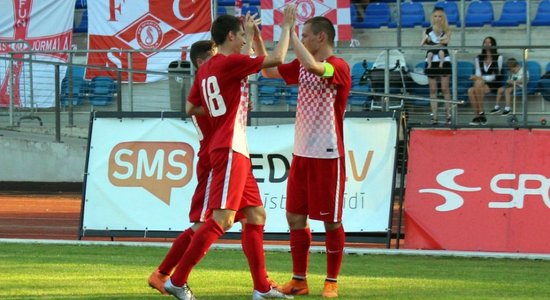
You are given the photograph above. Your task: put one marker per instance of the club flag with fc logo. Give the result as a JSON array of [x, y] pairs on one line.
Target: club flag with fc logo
[[150, 26], [337, 11]]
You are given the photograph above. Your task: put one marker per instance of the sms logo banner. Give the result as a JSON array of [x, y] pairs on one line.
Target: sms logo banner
[[158, 167]]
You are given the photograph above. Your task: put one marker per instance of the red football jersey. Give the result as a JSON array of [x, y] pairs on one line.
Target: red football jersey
[[320, 111], [223, 94]]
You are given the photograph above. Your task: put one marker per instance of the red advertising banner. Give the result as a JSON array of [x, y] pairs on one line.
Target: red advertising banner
[[150, 25], [478, 190]]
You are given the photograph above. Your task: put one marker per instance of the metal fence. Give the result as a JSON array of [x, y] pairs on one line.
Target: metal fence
[[72, 96]]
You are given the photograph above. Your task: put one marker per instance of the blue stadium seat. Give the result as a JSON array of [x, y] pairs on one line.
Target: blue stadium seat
[[81, 4], [83, 25], [102, 90], [252, 9], [464, 70], [451, 10], [412, 14], [226, 2], [252, 2], [479, 13], [78, 84], [535, 70], [222, 10], [513, 14], [354, 15], [547, 69], [357, 71], [542, 17], [269, 90], [377, 14]]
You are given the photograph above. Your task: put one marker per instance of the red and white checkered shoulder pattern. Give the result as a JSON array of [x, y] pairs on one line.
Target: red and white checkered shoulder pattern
[[316, 134]]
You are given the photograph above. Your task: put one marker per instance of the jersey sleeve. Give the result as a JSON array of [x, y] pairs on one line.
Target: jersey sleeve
[[342, 74], [195, 93], [290, 71], [240, 65]]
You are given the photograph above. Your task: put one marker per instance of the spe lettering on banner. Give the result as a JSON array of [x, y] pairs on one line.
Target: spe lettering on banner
[[157, 167]]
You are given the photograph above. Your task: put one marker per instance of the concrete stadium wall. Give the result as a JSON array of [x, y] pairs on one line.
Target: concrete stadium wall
[[26, 157]]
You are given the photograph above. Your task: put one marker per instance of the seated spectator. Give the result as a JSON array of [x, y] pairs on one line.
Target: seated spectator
[[486, 79], [513, 84]]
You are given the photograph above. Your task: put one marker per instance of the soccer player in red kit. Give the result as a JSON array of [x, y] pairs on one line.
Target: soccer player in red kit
[[221, 82], [317, 173], [200, 52]]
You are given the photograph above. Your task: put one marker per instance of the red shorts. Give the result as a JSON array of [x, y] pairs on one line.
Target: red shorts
[[197, 212], [232, 185], [316, 188]]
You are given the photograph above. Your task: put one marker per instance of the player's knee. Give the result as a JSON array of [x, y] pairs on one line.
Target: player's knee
[[255, 214]]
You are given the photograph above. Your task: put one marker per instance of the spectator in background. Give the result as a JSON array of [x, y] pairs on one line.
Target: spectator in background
[[513, 84], [440, 70], [486, 79]]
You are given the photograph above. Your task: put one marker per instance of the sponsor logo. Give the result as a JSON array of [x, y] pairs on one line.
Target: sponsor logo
[[157, 167], [502, 184]]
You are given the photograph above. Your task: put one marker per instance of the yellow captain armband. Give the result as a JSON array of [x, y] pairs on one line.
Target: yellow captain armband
[[329, 70]]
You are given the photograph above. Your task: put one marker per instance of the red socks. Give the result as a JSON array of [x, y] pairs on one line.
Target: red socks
[[300, 241], [252, 240], [335, 240], [179, 246], [201, 242]]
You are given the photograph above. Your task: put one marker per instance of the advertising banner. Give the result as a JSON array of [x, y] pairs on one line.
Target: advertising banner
[[141, 173], [337, 11], [33, 25], [149, 25], [478, 190]]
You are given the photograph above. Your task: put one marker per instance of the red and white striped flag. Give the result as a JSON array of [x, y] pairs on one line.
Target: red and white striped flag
[[338, 11]]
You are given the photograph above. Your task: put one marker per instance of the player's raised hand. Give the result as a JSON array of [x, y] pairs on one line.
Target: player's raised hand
[[289, 16]]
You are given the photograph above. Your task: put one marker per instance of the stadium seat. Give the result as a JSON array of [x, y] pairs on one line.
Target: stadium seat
[[83, 25], [464, 69], [81, 4], [252, 2], [479, 13], [357, 71], [79, 86], [412, 14], [226, 2], [417, 89], [269, 90], [535, 70], [251, 9], [542, 17], [354, 15], [451, 10], [102, 90], [377, 14], [222, 10], [513, 14]]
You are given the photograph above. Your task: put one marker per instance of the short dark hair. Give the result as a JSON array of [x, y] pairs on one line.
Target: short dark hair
[[322, 24], [512, 62], [221, 27], [200, 49]]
